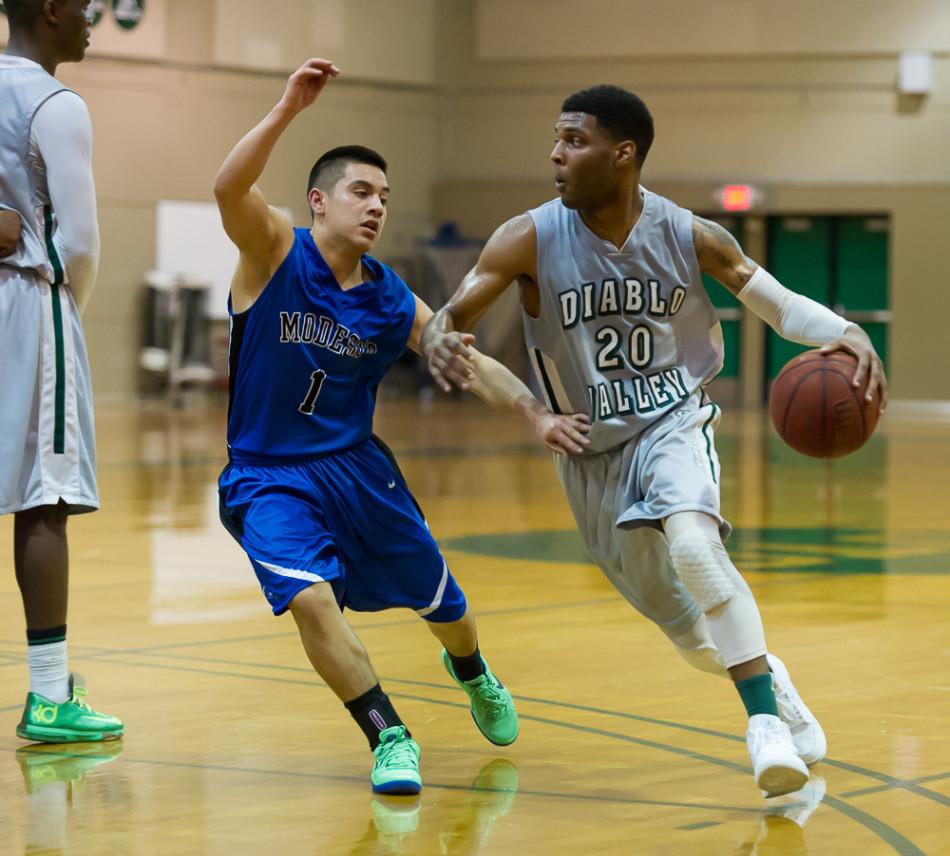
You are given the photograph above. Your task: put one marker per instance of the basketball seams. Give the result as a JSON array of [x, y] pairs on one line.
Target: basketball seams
[[794, 391], [856, 398], [802, 369]]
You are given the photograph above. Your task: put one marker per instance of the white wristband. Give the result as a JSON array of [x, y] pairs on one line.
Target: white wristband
[[793, 316]]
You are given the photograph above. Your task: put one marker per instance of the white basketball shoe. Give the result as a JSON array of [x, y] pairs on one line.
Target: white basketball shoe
[[810, 741], [778, 769]]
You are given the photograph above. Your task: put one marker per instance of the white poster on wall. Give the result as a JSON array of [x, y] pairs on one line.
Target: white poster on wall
[[191, 243]]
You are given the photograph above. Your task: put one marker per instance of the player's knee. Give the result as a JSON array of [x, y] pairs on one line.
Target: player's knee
[[704, 567], [317, 603]]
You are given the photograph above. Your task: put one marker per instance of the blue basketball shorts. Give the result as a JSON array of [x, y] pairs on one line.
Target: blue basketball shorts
[[347, 519]]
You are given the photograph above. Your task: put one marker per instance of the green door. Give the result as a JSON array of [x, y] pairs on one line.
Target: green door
[[799, 251], [841, 262], [862, 293]]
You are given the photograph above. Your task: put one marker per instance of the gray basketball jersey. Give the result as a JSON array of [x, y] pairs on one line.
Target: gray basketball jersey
[[623, 335], [24, 88]]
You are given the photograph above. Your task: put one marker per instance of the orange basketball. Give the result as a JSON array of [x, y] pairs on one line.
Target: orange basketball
[[816, 409]]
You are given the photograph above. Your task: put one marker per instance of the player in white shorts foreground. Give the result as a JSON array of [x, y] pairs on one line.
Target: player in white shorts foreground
[[47, 443], [618, 325]]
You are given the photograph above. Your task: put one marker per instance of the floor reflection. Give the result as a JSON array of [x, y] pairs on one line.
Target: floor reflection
[[54, 777], [453, 828]]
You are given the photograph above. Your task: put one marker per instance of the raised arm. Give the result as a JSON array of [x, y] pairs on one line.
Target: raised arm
[[793, 316], [501, 390], [261, 233], [63, 134], [510, 253]]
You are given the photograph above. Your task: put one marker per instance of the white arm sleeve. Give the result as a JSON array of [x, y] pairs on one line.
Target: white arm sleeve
[[793, 316], [62, 133]]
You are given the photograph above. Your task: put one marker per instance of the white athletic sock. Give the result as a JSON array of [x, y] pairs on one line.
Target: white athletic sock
[[49, 674]]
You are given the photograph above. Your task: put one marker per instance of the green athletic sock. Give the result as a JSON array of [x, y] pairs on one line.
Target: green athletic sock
[[757, 695]]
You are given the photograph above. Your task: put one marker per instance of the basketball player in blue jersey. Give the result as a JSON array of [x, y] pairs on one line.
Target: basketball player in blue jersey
[[617, 323], [314, 498]]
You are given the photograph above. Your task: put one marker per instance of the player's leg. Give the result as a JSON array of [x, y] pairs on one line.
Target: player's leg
[[338, 656], [493, 708], [47, 471], [55, 710], [397, 563], [635, 558], [269, 512], [735, 625]]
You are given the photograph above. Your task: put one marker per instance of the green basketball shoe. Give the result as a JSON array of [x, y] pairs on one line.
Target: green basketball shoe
[[72, 721], [396, 770], [493, 708]]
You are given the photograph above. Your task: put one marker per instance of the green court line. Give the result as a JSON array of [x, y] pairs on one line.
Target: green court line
[[887, 833]]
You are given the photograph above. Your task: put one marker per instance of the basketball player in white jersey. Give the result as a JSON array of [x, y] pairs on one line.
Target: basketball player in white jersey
[[47, 451], [618, 324]]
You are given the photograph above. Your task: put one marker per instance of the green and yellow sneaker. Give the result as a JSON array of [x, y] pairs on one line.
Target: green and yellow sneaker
[[493, 708], [396, 770], [72, 721]]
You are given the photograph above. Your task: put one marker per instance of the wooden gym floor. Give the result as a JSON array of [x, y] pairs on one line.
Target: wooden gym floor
[[233, 746]]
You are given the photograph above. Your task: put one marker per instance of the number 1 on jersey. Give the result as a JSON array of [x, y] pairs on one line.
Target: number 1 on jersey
[[316, 384]]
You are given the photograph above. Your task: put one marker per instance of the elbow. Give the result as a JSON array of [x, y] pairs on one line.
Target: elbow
[[82, 245], [220, 188], [223, 186]]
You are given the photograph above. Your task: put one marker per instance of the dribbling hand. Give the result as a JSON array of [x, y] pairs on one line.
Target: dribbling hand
[[855, 341], [307, 82]]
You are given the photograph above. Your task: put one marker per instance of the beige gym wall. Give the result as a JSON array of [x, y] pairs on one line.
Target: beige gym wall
[[801, 103], [170, 98]]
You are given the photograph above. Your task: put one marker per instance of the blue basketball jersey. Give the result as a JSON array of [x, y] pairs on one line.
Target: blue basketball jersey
[[307, 357]]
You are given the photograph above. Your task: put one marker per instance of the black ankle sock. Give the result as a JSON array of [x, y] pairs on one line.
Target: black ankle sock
[[46, 636], [468, 668], [373, 713]]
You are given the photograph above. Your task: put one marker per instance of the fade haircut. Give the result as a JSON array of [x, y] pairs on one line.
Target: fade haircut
[[23, 13], [622, 114], [331, 165]]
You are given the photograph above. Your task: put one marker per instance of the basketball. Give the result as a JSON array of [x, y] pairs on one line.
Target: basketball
[[816, 409]]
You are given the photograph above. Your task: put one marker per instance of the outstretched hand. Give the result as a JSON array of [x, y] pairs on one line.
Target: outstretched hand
[[563, 433], [855, 341], [307, 82]]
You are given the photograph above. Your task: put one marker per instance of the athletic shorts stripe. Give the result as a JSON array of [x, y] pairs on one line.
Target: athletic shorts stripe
[[439, 593], [293, 573], [709, 444]]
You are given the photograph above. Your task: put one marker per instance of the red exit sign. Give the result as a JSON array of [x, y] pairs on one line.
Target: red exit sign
[[738, 197]]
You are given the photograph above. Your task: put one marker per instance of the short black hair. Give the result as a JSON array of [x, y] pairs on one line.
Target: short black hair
[[621, 113], [330, 166], [23, 13]]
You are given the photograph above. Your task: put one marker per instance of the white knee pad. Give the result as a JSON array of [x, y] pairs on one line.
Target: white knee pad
[[704, 567], [732, 616]]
